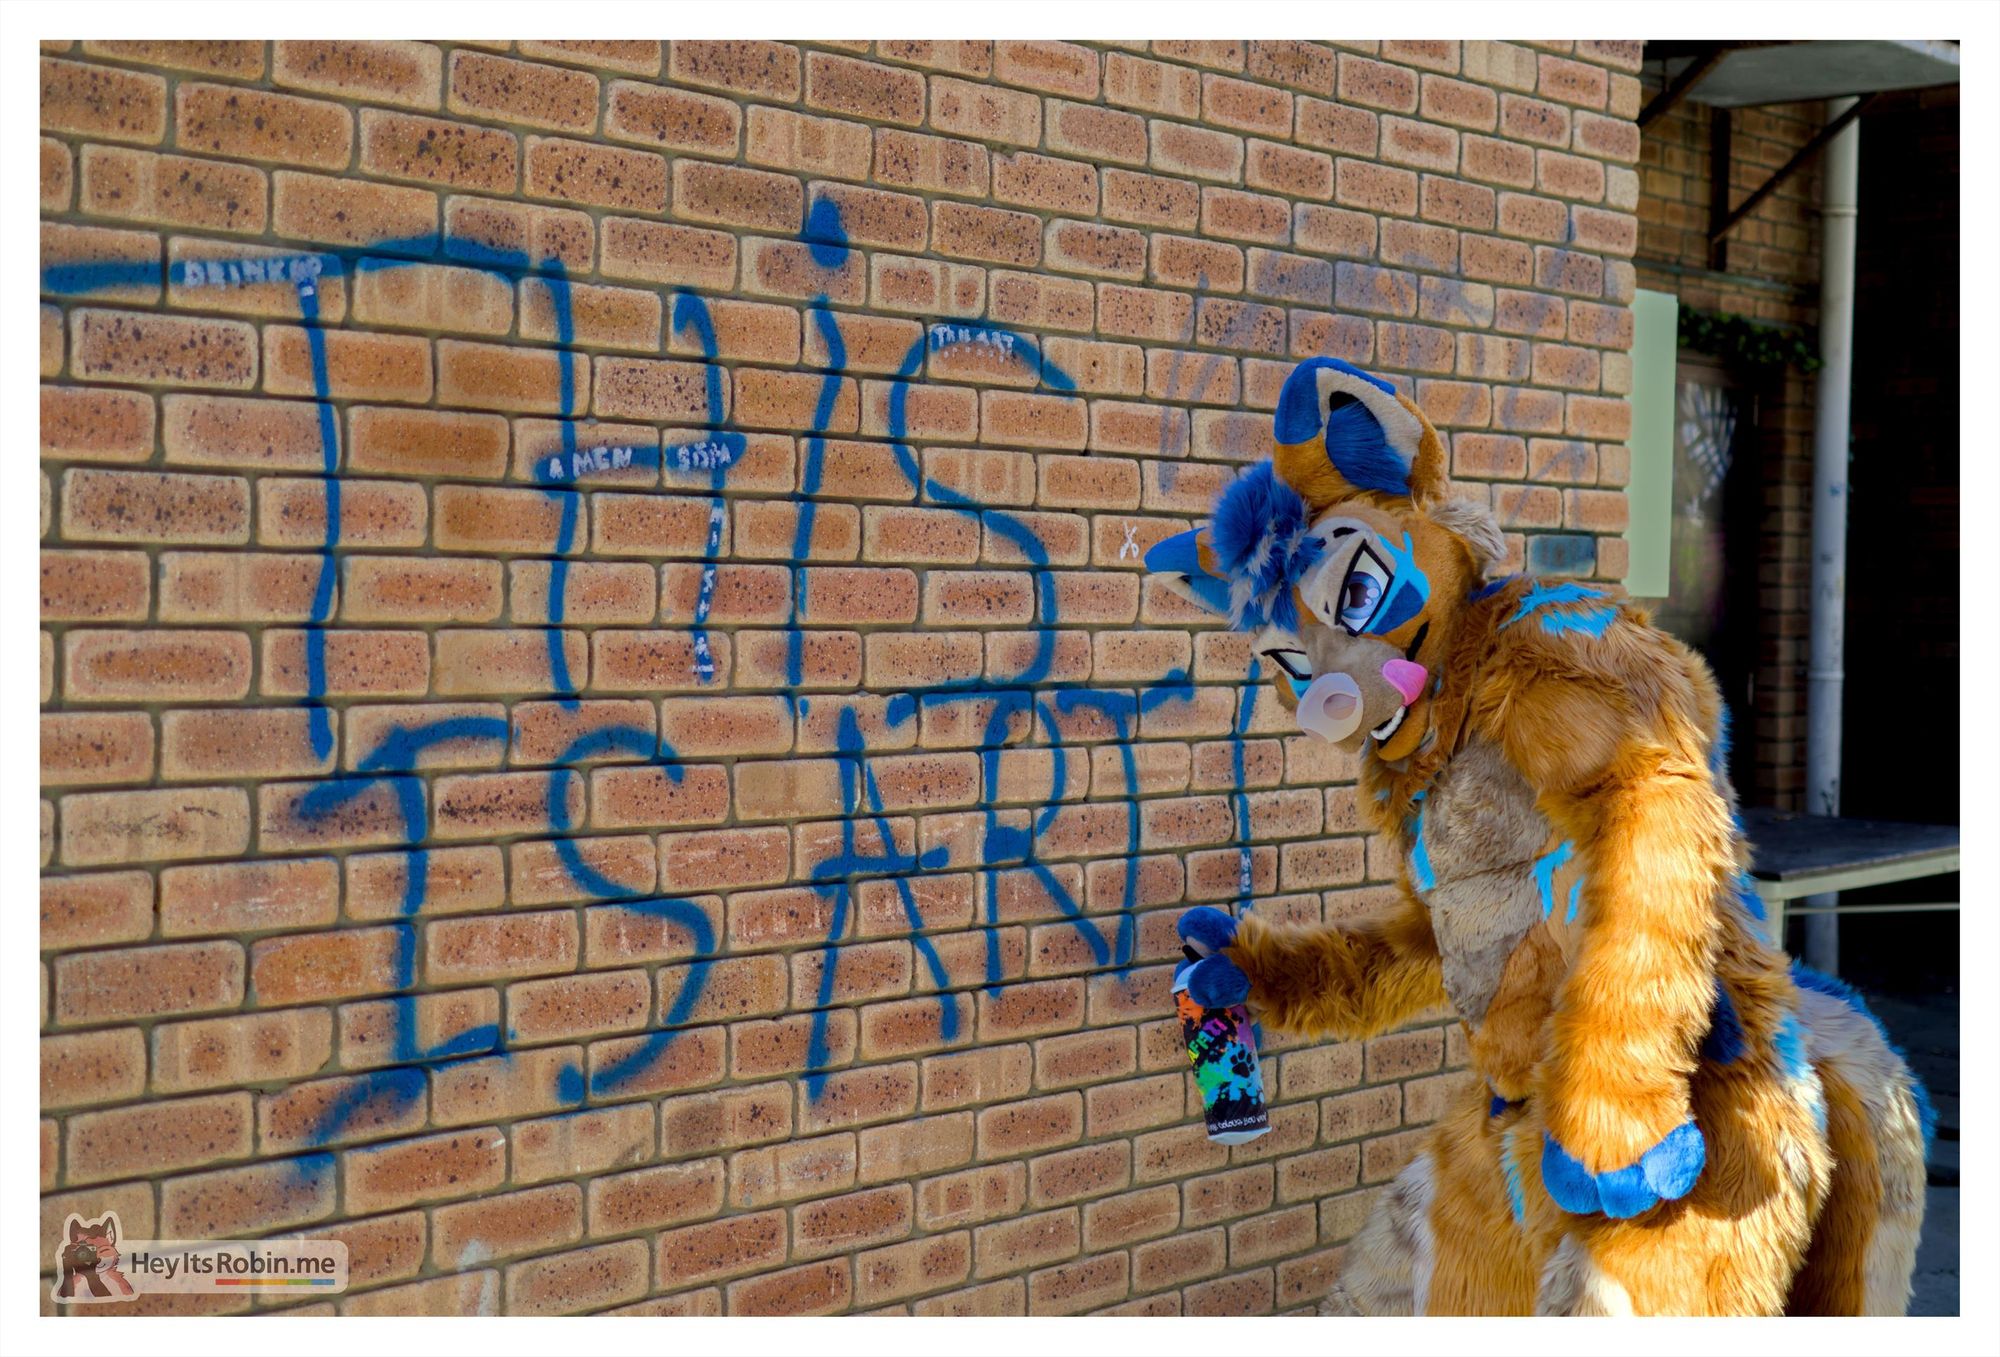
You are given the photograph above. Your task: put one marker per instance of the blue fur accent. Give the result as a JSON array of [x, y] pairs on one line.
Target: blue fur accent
[[1624, 1194], [1259, 515], [1591, 621], [1569, 1184], [1207, 928], [1176, 555], [1551, 595], [1545, 873], [1497, 1106], [1575, 899], [1355, 443], [1510, 1173], [1299, 415], [1181, 555], [1212, 592], [1421, 874], [1409, 590], [1669, 1170], [1673, 1165], [1718, 755], [1724, 1042], [1789, 1045], [1489, 589], [1217, 982], [1746, 896], [1806, 977], [1360, 451]]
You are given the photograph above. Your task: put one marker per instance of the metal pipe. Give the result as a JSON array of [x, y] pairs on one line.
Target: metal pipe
[[1839, 208]]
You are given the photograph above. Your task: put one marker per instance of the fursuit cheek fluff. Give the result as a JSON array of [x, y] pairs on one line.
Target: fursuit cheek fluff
[[1668, 1118]]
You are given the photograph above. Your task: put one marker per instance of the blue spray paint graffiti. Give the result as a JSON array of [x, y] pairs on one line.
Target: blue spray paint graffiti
[[1028, 697]]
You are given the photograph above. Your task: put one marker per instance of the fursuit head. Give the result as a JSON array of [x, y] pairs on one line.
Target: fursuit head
[[1663, 1115]]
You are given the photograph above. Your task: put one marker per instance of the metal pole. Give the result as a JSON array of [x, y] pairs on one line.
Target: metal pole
[[1839, 205]]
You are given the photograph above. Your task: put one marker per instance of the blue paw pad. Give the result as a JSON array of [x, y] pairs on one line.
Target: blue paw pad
[[1207, 929], [1217, 982], [1665, 1172]]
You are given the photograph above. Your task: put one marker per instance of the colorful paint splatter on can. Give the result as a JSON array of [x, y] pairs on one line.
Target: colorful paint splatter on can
[[1223, 1050]]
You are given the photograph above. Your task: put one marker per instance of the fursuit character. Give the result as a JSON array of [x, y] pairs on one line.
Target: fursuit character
[[1671, 1120]]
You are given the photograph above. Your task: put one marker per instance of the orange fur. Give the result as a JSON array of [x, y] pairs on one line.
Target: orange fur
[[1596, 1026], [1355, 978], [1830, 1280]]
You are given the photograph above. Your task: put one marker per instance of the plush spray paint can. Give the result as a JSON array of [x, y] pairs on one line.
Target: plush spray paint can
[[1222, 1047]]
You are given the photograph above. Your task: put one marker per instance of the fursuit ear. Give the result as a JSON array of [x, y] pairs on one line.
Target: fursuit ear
[[1186, 565], [1339, 429], [1261, 542], [1473, 523]]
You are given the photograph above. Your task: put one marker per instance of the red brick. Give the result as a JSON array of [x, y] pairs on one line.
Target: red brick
[[768, 69], [350, 211], [781, 139], [377, 663], [1054, 67], [92, 1067], [545, 1218], [103, 101], [156, 1137], [521, 92], [403, 73], [984, 112], [811, 1289], [256, 1047], [94, 909], [434, 1168], [596, 175], [1026, 1242], [436, 151], [723, 1248]]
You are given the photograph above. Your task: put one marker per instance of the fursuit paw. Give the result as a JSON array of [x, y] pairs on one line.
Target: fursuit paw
[[1207, 929], [1664, 1173], [1213, 980]]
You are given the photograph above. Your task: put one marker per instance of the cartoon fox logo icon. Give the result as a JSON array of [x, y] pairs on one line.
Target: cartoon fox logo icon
[[87, 1261]]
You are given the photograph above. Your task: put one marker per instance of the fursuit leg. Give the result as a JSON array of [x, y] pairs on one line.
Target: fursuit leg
[[1387, 1268], [1864, 1246]]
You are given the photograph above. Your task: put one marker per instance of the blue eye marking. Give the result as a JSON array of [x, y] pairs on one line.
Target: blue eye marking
[[1410, 591]]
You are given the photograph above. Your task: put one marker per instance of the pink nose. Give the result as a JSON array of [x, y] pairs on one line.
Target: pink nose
[[1406, 678]]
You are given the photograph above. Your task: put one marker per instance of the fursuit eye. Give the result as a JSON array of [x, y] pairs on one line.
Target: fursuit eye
[[1361, 592], [1296, 663]]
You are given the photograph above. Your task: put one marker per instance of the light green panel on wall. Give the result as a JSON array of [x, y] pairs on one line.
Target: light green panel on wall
[[1650, 495]]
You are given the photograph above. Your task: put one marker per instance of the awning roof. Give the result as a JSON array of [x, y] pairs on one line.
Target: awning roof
[[1792, 72]]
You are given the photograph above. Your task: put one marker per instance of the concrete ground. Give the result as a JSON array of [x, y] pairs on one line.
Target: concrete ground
[[1926, 1027]]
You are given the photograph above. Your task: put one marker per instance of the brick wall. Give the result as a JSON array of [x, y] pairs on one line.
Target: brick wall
[[605, 740], [1769, 272]]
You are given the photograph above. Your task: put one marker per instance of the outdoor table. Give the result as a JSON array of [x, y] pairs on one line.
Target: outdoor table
[[1800, 855]]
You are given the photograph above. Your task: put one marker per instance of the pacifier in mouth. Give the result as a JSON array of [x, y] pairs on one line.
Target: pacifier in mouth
[[1330, 707]]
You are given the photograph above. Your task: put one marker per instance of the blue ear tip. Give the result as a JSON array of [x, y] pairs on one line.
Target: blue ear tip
[[1176, 555]]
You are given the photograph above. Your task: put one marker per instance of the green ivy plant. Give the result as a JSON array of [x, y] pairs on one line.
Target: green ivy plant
[[1739, 340]]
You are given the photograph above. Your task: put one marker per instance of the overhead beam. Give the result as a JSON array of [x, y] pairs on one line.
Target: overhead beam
[[1720, 155], [1669, 98], [1805, 153]]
